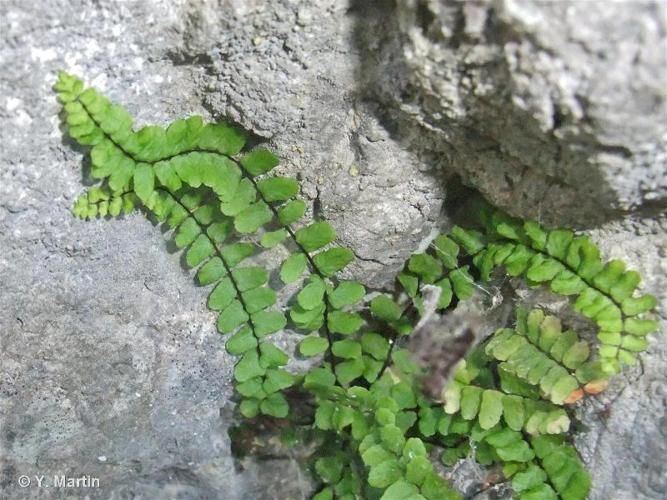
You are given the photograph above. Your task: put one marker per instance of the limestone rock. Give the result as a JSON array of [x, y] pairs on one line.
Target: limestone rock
[[110, 362], [553, 110]]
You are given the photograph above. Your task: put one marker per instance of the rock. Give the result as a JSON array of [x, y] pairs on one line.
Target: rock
[[553, 110], [296, 83], [108, 350]]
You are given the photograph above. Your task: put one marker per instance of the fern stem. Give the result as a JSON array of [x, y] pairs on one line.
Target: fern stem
[[292, 235], [218, 253], [387, 359]]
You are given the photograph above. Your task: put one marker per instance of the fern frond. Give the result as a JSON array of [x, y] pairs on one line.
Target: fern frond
[[240, 295], [571, 265], [540, 353], [465, 396], [188, 176], [224, 205]]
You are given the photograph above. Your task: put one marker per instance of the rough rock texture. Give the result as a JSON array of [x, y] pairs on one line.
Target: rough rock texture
[[289, 71], [551, 109], [110, 364]]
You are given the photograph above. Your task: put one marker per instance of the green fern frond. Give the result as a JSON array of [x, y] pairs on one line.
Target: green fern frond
[[189, 176], [539, 353], [467, 397], [571, 265], [508, 400]]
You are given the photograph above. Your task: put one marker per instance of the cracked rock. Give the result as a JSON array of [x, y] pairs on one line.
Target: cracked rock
[[553, 110]]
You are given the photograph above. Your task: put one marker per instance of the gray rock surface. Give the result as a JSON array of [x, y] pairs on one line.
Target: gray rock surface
[[553, 110], [289, 71], [110, 363]]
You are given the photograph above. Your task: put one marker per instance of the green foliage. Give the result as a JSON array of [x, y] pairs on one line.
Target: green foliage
[[189, 178], [508, 402], [571, 265], [438, 266], [473, 398]]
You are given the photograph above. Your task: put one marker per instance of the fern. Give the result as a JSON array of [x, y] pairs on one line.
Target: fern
[[438, 266], [472, 397], [540, 353], [508, 401], [571, 265], [190, 177]]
